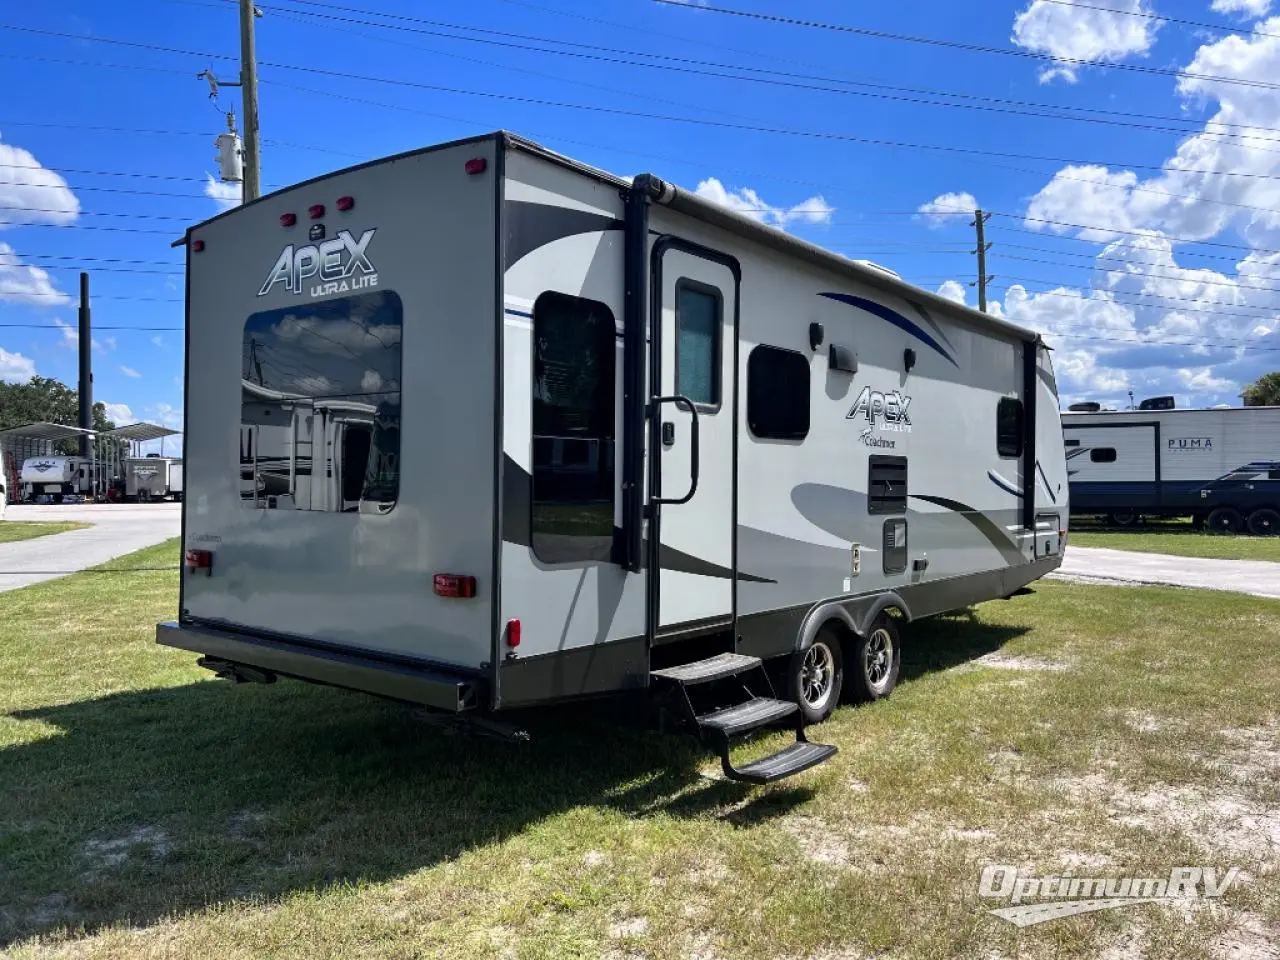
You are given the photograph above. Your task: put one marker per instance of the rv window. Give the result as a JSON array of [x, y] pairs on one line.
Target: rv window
[[1103, 454], [573, 417], [777, 393], [699, 318], [320, 406], [1009, 427], [1071, 443], [886, 484]]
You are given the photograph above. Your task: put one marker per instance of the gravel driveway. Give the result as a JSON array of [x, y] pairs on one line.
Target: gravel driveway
[[1260, 578], [117, 529]]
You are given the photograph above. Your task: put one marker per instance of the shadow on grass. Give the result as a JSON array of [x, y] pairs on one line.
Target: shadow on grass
[[144, 804], [940, 643], [151, 803]]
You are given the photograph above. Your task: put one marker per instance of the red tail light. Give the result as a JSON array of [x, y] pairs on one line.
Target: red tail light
[[288, 219], [197, 246], [345, 203], [476, 165], [316, 211], [200, 560], [513, 633], [454, 585]]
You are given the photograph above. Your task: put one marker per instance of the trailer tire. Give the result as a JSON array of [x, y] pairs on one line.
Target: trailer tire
[[1264, 522], [1223, 520], [876, 662], [816, 676], [1123, 518]]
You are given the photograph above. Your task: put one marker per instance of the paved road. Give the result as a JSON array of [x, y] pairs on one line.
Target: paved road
[[1097, 564], [117, 529]]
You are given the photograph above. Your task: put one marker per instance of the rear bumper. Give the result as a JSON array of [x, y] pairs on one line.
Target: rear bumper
[[430, 686]]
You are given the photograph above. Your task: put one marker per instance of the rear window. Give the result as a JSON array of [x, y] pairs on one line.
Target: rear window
[[320, 406]]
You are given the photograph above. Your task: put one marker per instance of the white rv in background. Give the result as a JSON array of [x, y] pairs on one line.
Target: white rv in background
[[514, 431], [1219, 466], [55, 477], [151, 478]]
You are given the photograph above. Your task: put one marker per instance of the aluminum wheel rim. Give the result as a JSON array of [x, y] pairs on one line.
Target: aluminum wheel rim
[[879, 657], [817, 674]]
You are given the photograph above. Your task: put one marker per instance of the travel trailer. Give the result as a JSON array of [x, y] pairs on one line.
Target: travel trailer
[[151, 478], [56, 478], [1219, 466], [597, 437]]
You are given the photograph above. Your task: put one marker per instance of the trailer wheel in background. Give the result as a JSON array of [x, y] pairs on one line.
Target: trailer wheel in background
[[1223, 520], [1264, 522], [876, 662], [816, 676], [1123, 518]]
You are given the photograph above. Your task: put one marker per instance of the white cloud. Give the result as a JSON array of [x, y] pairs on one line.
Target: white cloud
[[945, 208], [22, 283], [343, 338], [1246, 8], [71, 337], [15, 368], [371, 381], [119, 413], [1084, 33], [225, 195], [167, 415], [953, 290], [158, 340], [129, 371], [750, 204], [31, 193]]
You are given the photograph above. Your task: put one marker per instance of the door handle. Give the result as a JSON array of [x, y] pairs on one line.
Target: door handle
[[687, 404]]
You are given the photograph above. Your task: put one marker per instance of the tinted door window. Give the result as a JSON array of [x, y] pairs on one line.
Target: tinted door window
[[573, 417]]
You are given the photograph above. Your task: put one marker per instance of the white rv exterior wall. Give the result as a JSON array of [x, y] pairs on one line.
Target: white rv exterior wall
[[358, 579]]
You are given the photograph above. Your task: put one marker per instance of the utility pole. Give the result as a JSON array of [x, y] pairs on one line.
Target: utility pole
[[85, 387], [249, 91], [980, 221]]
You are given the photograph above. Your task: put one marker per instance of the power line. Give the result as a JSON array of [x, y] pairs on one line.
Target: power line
[[967, 47], [668, 62], [96, 326], [1145, 276], [620, 111], [1181, 21]]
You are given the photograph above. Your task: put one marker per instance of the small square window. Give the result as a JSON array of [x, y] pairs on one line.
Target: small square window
[[777, 393], [1009, 427]]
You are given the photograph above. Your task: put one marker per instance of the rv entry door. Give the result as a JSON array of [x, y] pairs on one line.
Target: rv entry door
[[691, 437]]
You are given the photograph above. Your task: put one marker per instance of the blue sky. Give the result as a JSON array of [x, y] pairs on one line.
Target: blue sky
[[1164, 284]]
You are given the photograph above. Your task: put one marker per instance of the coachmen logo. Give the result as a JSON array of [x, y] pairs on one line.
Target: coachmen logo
[[335, 262], [886, 411]]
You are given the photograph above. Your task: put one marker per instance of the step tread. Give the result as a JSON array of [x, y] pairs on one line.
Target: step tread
[[751, 715], [713, 668], [786, 762]]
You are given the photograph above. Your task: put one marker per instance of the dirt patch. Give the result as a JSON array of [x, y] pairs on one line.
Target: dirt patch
[[593, 858], [631, 927], [1002, 661], [1248, 939], [247, 825], [145, 841], [819, 840], [1251, 753], [1230, 824], [47, 911]]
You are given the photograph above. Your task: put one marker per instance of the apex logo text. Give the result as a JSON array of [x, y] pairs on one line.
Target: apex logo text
[[888, 411], [335, 262]]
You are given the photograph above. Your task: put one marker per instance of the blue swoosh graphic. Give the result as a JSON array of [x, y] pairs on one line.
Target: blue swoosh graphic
[[893, 317]]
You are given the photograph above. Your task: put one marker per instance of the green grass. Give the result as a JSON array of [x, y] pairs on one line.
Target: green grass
[[148, 810], [14, 530], [1179, 539]]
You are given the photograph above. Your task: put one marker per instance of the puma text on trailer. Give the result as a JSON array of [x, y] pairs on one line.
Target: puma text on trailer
[[479, 427], [1220, 466]]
